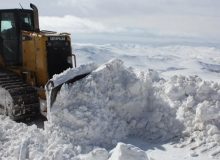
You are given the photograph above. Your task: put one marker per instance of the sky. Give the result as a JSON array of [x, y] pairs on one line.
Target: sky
[[130, 19]]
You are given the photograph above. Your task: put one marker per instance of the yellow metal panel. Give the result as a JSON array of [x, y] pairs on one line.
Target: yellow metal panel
[[28, 49], [35, 56], [41, 60]]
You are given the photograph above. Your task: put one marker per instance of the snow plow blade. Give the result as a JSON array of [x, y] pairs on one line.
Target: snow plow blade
[[72, 75]]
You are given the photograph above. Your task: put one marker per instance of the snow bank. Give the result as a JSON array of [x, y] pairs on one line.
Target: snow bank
[[114, 102], [19, 140], [110, 104]]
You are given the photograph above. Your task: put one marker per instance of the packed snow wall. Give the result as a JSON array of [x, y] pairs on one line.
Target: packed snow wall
[[114, 102]]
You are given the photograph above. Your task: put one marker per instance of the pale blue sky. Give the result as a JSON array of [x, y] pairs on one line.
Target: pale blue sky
[[192, 19]]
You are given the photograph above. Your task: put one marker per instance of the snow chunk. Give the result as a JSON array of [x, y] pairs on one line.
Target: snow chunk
[[96, 154], [127, 152]]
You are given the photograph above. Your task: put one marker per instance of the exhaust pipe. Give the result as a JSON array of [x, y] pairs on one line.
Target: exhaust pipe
[[36, 18]]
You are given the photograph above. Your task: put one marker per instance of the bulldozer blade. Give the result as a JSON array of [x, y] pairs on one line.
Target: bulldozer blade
[[53, 90], [53, 86]]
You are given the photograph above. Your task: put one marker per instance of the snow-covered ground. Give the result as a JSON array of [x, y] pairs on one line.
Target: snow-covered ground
[[121, 113], [168, 60]]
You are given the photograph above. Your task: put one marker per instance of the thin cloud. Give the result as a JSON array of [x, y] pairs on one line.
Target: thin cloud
[[154, 25], [110, 8], [75, 24], [187, 18]]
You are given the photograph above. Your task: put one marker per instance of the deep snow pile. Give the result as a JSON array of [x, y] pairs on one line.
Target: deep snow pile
[[114, 102], [110, 104]]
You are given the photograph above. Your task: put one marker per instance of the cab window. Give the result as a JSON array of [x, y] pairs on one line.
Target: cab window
[[9, 38], [8, 28], [6, 24], [27, 22]]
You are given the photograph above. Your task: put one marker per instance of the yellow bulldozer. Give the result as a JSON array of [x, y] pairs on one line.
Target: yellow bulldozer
[[29, 57]]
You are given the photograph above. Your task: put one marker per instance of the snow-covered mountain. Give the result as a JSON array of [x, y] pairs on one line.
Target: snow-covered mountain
[[168, 60]]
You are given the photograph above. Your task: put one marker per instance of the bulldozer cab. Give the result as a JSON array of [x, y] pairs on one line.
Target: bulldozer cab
[[12, 22]]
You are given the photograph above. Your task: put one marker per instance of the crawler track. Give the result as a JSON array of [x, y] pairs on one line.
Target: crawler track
[[17, 99]]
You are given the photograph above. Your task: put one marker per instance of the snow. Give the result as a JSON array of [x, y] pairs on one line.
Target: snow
[[96, 118], [125, 103], [70, 73], [166, 59], [127, 152], [19, 140], [5, 99]]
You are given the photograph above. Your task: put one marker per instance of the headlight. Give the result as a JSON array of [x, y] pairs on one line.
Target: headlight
[[69, 60]]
